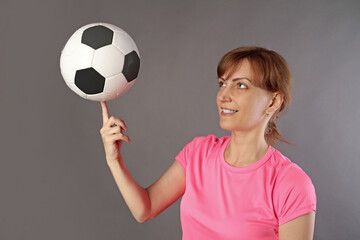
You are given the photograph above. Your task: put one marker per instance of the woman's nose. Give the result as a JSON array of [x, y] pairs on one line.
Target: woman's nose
[[224, 94]]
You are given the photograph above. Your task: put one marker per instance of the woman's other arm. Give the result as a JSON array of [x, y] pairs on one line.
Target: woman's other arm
[[300, 228]]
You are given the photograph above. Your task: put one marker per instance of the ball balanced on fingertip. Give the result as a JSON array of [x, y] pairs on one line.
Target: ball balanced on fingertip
[[100, 62]]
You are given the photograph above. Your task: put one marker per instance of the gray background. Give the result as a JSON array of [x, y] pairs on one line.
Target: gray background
[[54, 180]]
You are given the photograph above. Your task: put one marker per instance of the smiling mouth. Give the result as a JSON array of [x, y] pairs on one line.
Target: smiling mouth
[[228, 111]]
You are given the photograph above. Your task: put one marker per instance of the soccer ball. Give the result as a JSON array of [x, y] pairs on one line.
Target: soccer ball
[[100, 62]]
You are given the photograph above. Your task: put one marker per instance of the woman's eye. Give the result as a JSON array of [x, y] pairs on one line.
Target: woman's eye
[[242, 84], [221, 84]]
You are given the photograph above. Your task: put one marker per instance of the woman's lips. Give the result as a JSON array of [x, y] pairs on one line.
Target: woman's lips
[[227, 114]]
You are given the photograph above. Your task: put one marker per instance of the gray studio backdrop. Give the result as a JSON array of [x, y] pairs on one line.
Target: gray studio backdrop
[[54, 180]]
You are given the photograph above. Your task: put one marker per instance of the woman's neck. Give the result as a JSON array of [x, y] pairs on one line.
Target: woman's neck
[[243, 151]]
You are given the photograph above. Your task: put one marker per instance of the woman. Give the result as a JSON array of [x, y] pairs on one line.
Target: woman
[[238, 186]]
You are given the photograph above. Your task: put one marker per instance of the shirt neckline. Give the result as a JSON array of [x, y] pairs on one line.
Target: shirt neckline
[[245, 169]]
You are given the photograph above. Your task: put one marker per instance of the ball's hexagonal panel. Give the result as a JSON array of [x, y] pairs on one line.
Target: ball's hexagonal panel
[[81, 56], [124, 42], [97, 36], [67, 69], [115, 84], [131, 66], [128, 86], [89, 81], [108, 61]]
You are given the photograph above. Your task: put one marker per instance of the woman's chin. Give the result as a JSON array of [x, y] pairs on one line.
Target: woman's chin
[[228, 128]]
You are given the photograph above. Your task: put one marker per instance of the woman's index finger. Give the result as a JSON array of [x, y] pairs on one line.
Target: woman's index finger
[[105, 111]]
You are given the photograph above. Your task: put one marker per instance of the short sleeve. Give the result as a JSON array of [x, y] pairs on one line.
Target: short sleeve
[[184, 154], [294, 194]]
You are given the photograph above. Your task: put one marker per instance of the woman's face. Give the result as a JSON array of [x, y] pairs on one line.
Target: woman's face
[[250, 102]]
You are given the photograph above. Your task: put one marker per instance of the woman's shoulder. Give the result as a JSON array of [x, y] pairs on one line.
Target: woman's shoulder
[[206, 143], [294, 192], [289, 171]]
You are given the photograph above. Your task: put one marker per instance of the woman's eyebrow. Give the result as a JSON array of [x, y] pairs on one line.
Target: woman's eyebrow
[[236, 79]]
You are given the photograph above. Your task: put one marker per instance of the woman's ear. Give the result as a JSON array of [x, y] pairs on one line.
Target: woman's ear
[[276, 101]]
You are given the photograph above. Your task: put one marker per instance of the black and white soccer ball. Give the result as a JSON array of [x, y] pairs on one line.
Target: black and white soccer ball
[[100, 62]]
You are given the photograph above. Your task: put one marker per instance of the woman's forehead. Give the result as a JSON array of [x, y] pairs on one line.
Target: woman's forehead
[[241, 69]]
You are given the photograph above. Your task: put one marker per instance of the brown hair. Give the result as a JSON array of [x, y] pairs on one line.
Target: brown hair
[[271, 72]]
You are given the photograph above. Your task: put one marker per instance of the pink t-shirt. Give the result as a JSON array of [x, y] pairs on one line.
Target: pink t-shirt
[[234, 203]]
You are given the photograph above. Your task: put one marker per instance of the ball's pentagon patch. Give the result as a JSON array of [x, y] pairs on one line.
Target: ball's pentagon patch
[[131, 66], [89, 81], [97, 36]]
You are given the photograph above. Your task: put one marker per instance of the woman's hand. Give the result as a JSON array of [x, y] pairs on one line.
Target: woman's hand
[[111, 134]]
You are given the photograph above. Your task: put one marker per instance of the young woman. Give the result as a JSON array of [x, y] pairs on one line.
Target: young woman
[[233, 187]]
